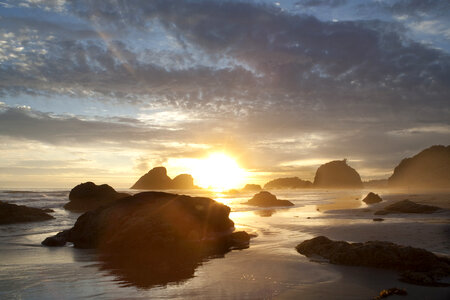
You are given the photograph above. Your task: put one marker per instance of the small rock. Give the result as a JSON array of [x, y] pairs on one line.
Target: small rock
[[389, 292], [372, 198]]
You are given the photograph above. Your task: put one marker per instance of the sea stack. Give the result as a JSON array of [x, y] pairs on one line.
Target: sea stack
[[337, 174], [428, 169]]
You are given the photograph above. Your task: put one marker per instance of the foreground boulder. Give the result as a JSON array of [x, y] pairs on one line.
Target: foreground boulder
[[12, 213], [288, 183], [155, 237], [416, 265], [157, 179], [337, 174], [266, 199], [87, 196], [428, 169], [372, 198], [409, 207]]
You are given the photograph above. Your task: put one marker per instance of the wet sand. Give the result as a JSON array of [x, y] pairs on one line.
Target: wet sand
[[270, 268]]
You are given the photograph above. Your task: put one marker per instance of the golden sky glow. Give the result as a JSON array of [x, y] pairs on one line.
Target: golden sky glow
[[218, 171]]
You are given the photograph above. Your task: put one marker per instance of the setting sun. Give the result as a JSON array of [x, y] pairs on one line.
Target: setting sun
[[218, 172]]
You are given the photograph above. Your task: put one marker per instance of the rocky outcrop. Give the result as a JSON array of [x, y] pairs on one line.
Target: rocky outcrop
[[389, 292], [416, 265], [372, 198], [183, 181], [251, 188], [87, 196], [288, 183], [408, 207], [428, 169], [157, 179], [266, 199], [160, 235], [12, 213], [337, 174]]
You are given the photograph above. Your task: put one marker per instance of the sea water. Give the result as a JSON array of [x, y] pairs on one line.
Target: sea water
[[269, 268]]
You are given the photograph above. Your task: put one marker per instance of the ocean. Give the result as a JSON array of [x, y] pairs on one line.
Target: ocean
[[270, 268]]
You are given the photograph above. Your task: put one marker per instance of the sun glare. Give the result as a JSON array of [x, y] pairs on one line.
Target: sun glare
[[218, 172]]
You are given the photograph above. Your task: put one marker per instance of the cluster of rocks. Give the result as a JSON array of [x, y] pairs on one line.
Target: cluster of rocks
[[157, 179], [416, 265]]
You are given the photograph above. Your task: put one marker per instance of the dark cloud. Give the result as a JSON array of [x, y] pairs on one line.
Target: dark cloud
[[314, 3], [71, 131], [278, 59]]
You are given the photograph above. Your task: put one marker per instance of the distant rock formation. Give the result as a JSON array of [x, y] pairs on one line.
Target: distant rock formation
[[288, 183], [251, 188], [428, 169], [12, 213], [183, 181], [87, 196], [417, 265], [266, 199], [407, 206], [372, 198], [337, 174], [154, 237], [157, 179]]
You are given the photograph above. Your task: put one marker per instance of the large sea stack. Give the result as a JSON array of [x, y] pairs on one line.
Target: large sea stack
[[337, 174], [428, 169]]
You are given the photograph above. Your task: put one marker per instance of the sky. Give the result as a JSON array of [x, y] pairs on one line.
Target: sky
[[106, 90]]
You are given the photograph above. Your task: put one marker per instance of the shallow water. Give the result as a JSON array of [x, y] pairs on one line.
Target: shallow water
[[269, 268]]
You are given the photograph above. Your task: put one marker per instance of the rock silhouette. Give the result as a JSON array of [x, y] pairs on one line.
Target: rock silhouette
[[337, 174], [416, 265], [428, 169], [266, 199], [154, 237], [157, 179], [12, 213], [288, 183], [372, 198], [251, 188], [87, 196], [407, 206]]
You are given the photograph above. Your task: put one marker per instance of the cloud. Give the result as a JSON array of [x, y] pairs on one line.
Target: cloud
[[314, 3], [264, 57]]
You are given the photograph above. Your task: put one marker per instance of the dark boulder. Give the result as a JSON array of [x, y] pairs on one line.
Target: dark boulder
[[379, 254], [266, 199], [87, 196], [157, 179], [288, 183], [337, 174], [154, 237], [372, 198], [12, 213], [251, 188], [428, 169], [407, 206]]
